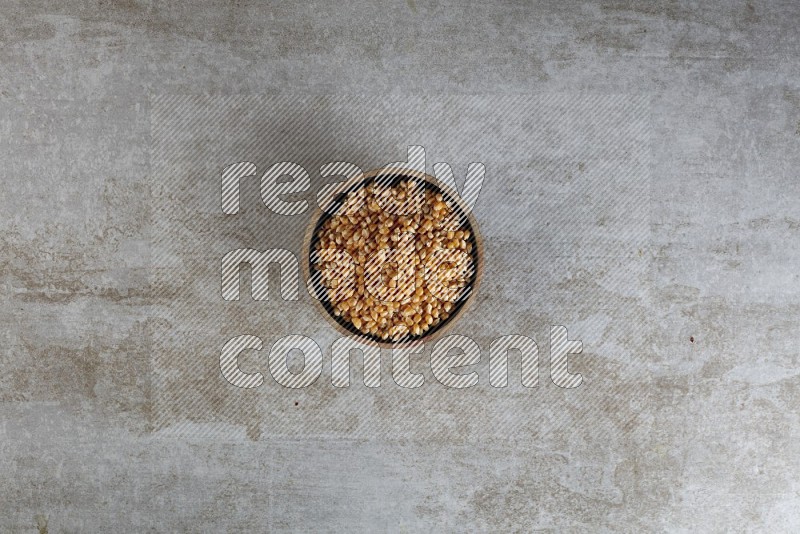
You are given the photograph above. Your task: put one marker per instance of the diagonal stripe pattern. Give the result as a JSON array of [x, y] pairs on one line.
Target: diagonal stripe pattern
[[564, 201]]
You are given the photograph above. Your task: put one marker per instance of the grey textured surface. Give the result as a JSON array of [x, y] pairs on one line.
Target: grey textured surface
[[684, 436]]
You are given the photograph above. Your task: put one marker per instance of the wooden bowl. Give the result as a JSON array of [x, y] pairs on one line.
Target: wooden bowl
[[396, 175]]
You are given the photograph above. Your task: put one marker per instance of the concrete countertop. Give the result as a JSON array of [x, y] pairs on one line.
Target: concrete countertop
[[641, 190]]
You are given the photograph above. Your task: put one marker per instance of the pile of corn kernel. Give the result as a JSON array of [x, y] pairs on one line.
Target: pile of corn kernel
[[394, 259]]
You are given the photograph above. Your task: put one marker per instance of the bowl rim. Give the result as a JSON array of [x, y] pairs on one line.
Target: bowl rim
[[319, 214]]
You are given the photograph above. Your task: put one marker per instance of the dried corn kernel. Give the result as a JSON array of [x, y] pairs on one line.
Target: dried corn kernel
[[405, 267]]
